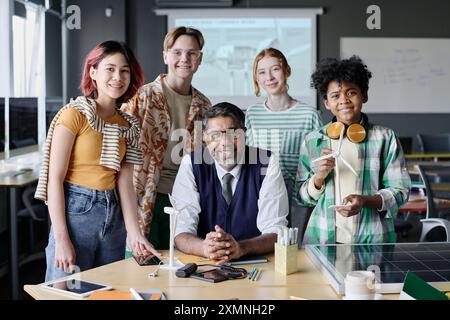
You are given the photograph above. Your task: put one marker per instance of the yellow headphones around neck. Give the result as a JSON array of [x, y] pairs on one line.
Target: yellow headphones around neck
[[356, 132]]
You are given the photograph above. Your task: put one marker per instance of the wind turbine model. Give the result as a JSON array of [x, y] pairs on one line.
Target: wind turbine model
[[337, 155], [173, 212]]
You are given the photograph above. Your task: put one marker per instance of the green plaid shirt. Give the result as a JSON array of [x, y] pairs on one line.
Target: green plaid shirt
[[383, 171]]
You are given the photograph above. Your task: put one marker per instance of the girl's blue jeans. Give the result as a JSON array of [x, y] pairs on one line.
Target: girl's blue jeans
[[96, 229]]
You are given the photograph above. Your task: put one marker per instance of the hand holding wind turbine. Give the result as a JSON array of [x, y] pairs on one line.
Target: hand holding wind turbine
[[173, 212], [337, 155]]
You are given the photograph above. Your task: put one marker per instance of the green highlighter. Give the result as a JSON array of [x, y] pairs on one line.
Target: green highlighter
[[414, 288]]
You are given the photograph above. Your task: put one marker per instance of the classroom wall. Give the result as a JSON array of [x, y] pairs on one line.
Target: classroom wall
[[53, 56], [399, 18], [144, 31], [95, 28], [145, 35]]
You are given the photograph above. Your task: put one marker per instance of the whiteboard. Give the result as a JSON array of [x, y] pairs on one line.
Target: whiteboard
[[409, 75]]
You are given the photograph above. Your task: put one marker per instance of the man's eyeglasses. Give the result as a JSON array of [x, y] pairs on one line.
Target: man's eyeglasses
[[217, 135], [190, 54]]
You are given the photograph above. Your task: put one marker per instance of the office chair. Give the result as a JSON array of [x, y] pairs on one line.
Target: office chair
[[437, 185], [406, 143], [33, 211], [434, 143], [402, 226]]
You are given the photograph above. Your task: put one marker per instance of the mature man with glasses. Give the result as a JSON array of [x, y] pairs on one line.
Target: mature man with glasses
[[165, 107], [235, 195]]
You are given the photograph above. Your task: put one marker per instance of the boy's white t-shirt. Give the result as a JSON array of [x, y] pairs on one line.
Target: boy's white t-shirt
[[179, 108], [349, 150]]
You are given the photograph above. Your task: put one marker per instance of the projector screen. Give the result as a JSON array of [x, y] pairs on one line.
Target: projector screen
[[233, 38]]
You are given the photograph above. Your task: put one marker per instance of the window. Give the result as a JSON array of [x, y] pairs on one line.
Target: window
[[22, 81], [27, 50]]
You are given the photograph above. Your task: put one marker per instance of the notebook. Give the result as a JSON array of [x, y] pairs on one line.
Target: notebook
[[415, 288], [249, 260], [126, 295], [188, 258], [185, 259]]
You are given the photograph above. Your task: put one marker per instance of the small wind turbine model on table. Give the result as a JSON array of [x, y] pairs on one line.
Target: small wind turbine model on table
[[173, 212], [337, 155]]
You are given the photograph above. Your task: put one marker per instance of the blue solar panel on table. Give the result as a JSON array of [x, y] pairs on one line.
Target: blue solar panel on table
[[390, 262]]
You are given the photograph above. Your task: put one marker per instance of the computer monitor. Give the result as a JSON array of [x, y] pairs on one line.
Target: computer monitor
[[23, 122], [2, 128], [52, 106]]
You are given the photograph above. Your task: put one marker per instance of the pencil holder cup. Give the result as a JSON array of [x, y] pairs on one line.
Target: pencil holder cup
[[286, 259]]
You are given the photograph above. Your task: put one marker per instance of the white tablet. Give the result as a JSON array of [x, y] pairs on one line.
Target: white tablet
[[74, 287]]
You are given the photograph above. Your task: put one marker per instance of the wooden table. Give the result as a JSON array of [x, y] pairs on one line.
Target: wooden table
[[412, 165], [307, 283], [416, 206], [434, 156]]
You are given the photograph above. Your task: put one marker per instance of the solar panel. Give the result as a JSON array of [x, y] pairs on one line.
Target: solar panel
[[389, 261]]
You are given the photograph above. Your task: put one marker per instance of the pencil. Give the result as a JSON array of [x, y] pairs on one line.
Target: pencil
[[297, 298], [251, 273], [256, 274]]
